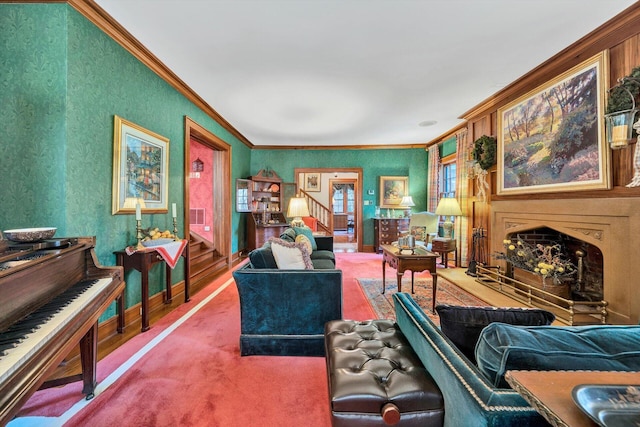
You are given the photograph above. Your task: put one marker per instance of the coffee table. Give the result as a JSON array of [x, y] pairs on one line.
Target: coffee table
[[549, 392], [418, 260]]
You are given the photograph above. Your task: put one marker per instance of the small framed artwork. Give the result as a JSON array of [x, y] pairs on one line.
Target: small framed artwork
[[552, 138], [392, 190], [312, 182], [140, 169]]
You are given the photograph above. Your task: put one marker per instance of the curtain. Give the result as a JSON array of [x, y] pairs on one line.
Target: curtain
[[433, 178], [463, 157]]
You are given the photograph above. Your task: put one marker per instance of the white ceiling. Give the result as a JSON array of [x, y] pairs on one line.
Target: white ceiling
[[353, 72]]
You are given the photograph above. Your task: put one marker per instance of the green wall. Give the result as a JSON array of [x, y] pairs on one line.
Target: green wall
[[374, 163], [62, 81]]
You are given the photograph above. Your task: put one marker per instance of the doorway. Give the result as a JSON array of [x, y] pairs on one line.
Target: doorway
[[343, 206], [323, 193], [207, 208]]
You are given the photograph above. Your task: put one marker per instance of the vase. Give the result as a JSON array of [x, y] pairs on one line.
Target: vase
[[555, 286]]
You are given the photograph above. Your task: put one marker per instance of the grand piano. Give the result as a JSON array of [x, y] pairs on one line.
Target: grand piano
[[52, 293]]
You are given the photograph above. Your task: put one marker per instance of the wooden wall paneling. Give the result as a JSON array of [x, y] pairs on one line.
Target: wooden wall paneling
[[623, 58], [481, 210]]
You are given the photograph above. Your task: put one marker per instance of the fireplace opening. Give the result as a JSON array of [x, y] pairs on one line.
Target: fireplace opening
[[587, 284]]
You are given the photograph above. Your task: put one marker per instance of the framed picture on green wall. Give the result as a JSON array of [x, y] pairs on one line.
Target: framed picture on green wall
[[312, 182], [140, 169], [392, 190]]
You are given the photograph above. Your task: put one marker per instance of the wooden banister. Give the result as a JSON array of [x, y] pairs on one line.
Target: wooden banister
[[320, 212]]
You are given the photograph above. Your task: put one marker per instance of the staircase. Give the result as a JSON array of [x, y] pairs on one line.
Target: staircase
[[205, 261], [320, 212]]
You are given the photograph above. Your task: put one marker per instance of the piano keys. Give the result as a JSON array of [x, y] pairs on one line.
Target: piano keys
[[51, 297]]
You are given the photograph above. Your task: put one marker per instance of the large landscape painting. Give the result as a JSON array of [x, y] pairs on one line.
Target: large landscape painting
[[552, 138]]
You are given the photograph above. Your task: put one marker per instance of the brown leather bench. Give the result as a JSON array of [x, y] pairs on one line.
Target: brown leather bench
[[376, 379]]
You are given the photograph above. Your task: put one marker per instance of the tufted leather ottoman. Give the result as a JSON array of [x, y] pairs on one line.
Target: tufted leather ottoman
[[376, 379]]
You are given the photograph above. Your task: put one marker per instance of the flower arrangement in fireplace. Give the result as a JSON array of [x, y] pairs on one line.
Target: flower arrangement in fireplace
[[544, 260]]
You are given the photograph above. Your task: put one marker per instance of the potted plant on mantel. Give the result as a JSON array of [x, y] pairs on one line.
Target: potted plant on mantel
[[544, 267]]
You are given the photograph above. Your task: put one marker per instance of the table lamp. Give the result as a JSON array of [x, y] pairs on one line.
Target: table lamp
[[407, 202], [297, 209], [448, 207]]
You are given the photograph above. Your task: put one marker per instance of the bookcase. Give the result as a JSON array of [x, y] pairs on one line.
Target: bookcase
[[266, 218]]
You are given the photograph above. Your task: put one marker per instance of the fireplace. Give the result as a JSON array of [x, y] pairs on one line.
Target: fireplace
[[587, 281], [606, 230]]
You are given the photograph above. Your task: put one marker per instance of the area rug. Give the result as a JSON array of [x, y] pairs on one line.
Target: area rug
[[447, 293]]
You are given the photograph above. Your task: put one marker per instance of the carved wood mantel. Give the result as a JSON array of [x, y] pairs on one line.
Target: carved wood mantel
[[610, 225]]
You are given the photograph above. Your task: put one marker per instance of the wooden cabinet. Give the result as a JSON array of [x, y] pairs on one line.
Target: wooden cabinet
[[387, 230], [266, 218], [258, 232]]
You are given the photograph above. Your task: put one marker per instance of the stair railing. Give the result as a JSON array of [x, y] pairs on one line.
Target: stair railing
[[319, 212]]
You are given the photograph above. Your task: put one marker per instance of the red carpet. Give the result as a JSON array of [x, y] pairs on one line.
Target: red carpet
[[187, 370], [196, 377]]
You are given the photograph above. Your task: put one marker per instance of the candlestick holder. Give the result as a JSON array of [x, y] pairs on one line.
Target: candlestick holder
[[175, 227], [139, 234]]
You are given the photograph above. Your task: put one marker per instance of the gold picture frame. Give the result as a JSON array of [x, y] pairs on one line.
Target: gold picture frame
[[140, 169], [392, 190], [553, 138]]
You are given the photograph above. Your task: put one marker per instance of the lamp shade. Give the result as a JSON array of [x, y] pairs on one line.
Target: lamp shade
[[407, 201], [448, 206], [298, 207]]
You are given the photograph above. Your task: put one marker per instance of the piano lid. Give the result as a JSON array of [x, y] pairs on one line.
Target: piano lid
[[34, 273]]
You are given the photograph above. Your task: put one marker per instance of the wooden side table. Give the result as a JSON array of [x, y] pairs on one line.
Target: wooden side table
[[549, 392], [143, 261], [444, 247], [413, 262]]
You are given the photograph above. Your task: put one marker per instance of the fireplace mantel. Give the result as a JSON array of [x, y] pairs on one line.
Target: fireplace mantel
[[613, 225]]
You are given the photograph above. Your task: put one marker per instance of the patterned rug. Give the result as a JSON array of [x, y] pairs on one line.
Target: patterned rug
[[447, 293]]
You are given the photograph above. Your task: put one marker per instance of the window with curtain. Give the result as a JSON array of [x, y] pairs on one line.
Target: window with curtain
[[343, 200], [447, 179], [338, 200]]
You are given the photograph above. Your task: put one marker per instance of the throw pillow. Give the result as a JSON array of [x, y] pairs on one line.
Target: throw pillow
[[463, 325], [419, 232], [290, 256], [289, 235], [307, 232], [305, 241], [543, 348], [263, 257]]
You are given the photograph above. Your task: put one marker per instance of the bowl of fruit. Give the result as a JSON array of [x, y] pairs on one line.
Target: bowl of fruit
[[152, 236]]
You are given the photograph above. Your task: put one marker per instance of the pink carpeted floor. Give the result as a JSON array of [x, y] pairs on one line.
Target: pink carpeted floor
[[194, 376]]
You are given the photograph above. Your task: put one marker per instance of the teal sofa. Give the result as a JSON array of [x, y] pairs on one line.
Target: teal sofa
[[477, 395], [283, 312]]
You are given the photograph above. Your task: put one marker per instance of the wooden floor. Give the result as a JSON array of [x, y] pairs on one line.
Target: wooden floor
[[344, 241]]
